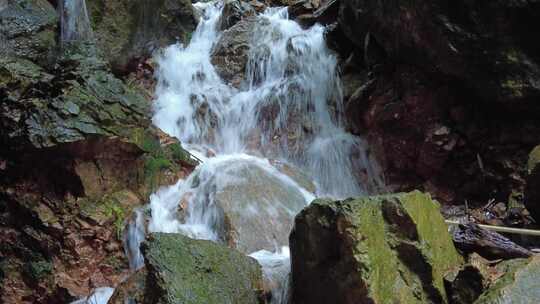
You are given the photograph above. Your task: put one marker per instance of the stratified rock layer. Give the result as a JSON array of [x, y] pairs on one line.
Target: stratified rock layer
[[381, 249], [183, 270]]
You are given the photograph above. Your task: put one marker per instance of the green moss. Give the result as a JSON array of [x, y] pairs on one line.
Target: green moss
[[434, 236], [534, 159], [38, 270], [179, 154], [514, 86], [195, 271], [401, 248], [111, 209], [117, 214]]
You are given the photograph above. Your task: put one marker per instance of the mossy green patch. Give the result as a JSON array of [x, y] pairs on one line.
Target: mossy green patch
[[534, 159], [111, 209], [182, 270], [392, 249]]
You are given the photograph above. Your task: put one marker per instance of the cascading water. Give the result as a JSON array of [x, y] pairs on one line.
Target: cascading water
[[288, 111], [74, 22], [289, 69]]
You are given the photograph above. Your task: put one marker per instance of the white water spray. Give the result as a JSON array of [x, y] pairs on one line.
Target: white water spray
[[289, 108], [74, 22]]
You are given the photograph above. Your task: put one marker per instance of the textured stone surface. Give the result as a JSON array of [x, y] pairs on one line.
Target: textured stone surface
[[381, 249], [27, 29], [519, 284], [230, 54], [128, 30], [182, 270]]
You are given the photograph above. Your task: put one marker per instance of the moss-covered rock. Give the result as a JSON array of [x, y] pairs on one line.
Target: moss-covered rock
[[382, 249], [182, 270], [532, 189], [126, 30], [519, 284]]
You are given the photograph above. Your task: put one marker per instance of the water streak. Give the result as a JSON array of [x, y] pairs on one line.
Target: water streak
[[290, 108], [74, 22]]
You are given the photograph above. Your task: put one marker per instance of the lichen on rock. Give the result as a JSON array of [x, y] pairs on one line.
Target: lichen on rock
[[183, 270], [381, 249]]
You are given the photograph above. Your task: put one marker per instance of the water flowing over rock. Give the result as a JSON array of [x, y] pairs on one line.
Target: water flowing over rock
[[240, 200], [74, 22], [382, 249], [182, 270], [280, 99], [130, 31]]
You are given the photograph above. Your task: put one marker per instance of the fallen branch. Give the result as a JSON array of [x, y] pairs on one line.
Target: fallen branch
[[501, 229], [471, 238]]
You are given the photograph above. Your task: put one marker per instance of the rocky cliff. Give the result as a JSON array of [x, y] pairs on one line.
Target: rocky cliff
[[79, 154]]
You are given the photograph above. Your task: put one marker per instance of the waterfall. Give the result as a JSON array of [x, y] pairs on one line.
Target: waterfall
[[74, 22], [291, 71]]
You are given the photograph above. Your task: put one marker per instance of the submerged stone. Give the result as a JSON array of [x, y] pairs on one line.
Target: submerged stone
[[381, 249], [183, 270]]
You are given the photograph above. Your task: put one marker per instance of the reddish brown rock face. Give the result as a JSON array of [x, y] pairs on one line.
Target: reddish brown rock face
[[447, 96]]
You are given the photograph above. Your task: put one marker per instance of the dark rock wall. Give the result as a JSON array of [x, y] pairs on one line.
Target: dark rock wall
[[446, 91]]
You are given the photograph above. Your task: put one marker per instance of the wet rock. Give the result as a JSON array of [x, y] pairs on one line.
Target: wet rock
[[235, 11], [129, 30], [532, 190], [131, 290], [517, 285], [309, 12], [182, 270], [381, 249], [79, 98], [27, 29], [230, 54], [254, 203]]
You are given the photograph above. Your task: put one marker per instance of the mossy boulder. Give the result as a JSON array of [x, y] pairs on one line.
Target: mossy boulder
[[532, 189], [126, 29], [382, 249], [519, 284], [183, 270]]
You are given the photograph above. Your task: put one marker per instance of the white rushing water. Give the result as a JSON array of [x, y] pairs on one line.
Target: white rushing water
[[74, 22], [288, 111]]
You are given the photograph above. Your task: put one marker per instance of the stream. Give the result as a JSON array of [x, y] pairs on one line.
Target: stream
[[267, 148]]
